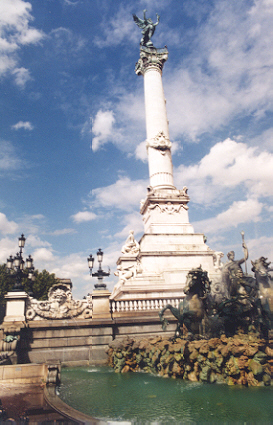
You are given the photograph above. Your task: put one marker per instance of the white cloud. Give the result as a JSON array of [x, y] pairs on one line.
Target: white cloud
[[26, 125], [7, 247], [141, 151], [229, 72], [8, 157], [15, 32], [118, 29], [6, 226], [133, 222], [227, 166], [83, 216], [22, 75], [34, 241], [239, 212], [61, 232], [42, 256], [124, 194], [66, 42], [102, 128]]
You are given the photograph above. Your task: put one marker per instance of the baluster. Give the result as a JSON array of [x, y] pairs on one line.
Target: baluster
[[160, 304], [118, 306], [147, 304], [126, 306], [156, 304], [131, 305], [122, 305], [113, 307], [135, 305], [140, 305], [152, 304]]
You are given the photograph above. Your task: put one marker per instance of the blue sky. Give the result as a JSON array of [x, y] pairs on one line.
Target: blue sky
[[73, 166]]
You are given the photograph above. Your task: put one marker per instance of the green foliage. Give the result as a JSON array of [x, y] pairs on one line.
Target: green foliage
[[40, 286]]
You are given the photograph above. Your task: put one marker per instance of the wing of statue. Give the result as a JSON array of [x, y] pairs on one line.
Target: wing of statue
[[140, 23]]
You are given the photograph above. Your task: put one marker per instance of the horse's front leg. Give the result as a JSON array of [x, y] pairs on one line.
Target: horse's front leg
[[163, 320]]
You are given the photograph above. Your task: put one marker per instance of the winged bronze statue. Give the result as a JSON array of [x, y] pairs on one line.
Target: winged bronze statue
[[148, 28]]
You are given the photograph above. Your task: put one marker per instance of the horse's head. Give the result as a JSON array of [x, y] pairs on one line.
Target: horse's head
[[261, 270], [197, 282], [260, 266]]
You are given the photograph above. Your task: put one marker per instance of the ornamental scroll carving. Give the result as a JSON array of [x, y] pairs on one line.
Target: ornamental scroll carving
[[160, 142], [60, 305]]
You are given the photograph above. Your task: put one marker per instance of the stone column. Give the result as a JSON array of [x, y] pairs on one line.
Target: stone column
[[158, 143]]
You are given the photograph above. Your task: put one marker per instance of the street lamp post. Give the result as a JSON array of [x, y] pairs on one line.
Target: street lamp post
[[100, 274], [17, 265]]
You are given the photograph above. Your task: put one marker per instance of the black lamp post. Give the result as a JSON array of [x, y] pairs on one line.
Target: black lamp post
[[17, 265], [100, 274]]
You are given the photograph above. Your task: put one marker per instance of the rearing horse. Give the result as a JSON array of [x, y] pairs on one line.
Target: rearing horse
[[191, 310]]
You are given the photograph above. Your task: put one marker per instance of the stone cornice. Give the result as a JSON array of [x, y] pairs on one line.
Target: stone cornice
[[168, 201]]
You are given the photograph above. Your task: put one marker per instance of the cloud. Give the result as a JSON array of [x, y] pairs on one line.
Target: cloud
[[226, 167], [133, 222], [248, 211], [63, 232], [83, 216], [118, 29], [15, 32], [228, 73], [66, 43], [21, 76], [8, 157], [6, 226], [43, 255], [26, 125], [125, 194], [102, 128], [35, 241]]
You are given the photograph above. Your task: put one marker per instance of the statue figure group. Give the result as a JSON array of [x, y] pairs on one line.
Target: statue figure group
[[244, 307], [148, 29]]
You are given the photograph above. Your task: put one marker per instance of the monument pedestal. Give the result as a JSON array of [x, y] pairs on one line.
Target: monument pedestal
[[16, 306], [101, 306]]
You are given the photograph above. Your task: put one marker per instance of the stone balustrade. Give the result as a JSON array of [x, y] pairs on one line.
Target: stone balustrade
[[142, 305]]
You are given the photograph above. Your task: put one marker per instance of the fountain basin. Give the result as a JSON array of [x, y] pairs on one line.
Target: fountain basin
[[136, 398]]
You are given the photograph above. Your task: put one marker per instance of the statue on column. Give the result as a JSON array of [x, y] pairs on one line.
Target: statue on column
[[148, 28]]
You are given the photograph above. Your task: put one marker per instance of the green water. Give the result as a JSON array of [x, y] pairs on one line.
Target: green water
[[139, 398]]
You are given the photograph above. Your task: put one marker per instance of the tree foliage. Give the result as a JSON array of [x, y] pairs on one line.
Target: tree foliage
[[39, 287]]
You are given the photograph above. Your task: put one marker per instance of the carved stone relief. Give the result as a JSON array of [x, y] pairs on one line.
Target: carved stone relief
[[60, 305], [160, 142], [169, 207]]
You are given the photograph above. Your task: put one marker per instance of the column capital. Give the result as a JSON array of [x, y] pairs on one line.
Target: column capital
[[150, 57]]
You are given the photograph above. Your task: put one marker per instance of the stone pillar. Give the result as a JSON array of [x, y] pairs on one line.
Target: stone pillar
[[101, 304], [158, 143], [16, 306]]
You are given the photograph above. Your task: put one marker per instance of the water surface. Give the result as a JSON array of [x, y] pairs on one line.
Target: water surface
[[140, 398]]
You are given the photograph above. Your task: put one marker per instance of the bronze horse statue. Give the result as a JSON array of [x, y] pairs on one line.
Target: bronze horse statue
[[249, 306], [192, 309]]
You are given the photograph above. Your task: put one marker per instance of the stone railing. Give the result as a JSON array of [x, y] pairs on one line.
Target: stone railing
[[143, 305]]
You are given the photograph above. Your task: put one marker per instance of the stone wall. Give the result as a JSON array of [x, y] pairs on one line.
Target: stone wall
[[243, 359], [78, 342]]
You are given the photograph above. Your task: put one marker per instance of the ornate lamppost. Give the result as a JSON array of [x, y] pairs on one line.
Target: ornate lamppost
[[100, 274], [17, 266]]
